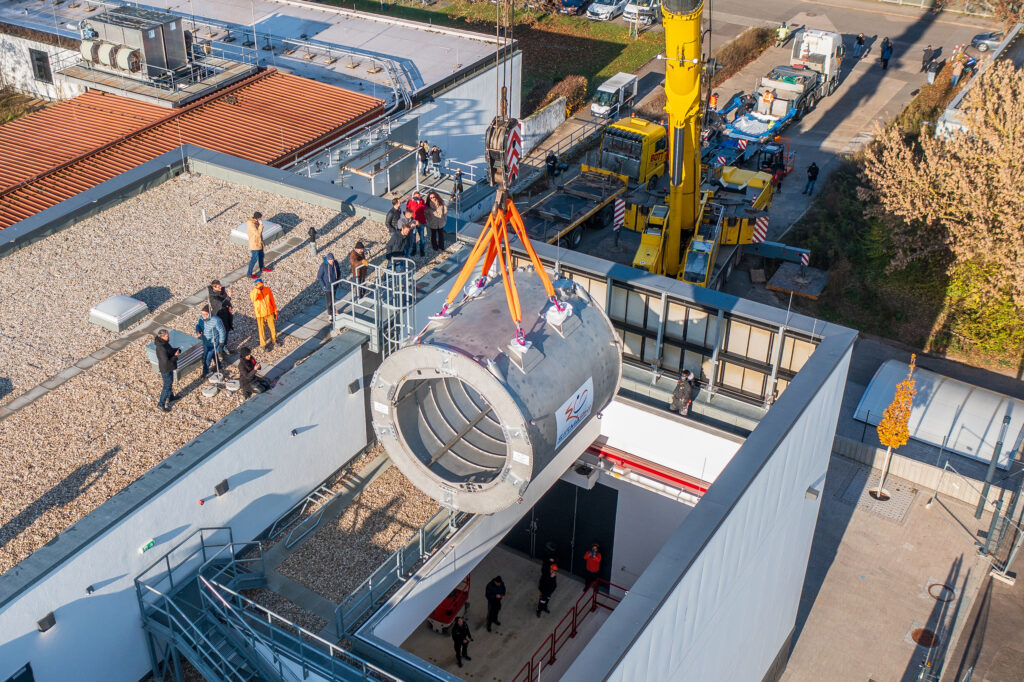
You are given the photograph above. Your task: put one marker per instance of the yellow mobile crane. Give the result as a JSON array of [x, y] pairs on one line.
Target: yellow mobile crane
[[706, 219], [661, 244]]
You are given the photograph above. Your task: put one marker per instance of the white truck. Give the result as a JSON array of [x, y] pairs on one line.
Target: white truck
[[820, 51], [614, 96]]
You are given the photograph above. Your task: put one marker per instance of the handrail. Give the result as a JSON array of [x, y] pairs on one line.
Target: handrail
[[553, 643], [233, 559], [272, 619], [395, 569], [190, 632], [141, 578]]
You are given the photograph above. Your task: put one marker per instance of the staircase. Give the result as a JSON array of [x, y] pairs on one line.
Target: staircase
[[191, 609]]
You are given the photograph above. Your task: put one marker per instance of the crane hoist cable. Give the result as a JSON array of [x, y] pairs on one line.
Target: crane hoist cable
[[493, 243]]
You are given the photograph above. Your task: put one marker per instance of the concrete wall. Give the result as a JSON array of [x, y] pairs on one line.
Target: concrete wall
[[16, 68], [540, 124], [98, 636], [457, 119], [729, 579], [644, 521]]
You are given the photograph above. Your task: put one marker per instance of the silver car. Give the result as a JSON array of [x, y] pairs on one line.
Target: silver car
[[605, 10], [984, 42]]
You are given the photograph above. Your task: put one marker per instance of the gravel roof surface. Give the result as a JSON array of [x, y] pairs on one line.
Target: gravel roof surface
[[379, 521], [69, 451], [286, 609]]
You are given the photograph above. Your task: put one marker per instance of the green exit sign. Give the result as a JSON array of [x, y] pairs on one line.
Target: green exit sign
[[146, 547]]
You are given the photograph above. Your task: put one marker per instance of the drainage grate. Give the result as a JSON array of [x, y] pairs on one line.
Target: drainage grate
[[901, 495]]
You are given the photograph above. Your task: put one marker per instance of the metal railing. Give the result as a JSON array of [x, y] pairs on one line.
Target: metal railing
[[588, 130], [396, 569], [383, 305], [567, 628], [304, 517], [286, 641], [180, 564]]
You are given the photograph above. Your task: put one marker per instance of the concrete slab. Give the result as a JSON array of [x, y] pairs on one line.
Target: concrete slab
[[500, 654], [868, 583]]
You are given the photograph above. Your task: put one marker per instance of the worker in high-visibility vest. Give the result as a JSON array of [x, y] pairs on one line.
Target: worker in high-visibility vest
[[769, 97], [781, 33], [713, 100]]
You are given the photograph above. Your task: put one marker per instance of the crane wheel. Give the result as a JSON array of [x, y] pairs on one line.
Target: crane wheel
[[652, 182], [576, 237]]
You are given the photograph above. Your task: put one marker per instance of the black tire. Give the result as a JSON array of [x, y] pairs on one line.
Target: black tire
[[652, 182], [575, 237]]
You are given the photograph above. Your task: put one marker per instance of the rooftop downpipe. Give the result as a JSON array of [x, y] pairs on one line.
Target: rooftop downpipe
[[471, 419]]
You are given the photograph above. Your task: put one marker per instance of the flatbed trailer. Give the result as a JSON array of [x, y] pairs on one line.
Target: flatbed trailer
[[585, 200]]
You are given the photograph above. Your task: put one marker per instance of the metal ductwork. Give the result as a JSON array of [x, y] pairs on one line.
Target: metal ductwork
[[471, 420]]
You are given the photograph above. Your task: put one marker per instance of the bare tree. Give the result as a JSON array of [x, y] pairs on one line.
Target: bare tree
[[965, 194]]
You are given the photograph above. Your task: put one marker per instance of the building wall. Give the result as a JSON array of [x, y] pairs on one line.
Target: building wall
[[16, 68], [541, 123], [457, 119], [644, 521], [732, 574], [99, 636]]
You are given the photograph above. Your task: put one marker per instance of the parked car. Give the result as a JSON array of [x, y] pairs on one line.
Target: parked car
[[604, 10], [984, 42], [644, 11], [573, 7]]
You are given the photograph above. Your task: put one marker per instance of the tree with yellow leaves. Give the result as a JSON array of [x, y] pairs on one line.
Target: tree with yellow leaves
[[894, 429]]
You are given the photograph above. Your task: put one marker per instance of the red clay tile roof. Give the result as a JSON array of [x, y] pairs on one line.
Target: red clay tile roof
[[270, 118]]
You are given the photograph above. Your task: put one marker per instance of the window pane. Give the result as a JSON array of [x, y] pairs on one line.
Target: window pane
[[712, 336], [653, 313], [732, 376], [753, 382], [598, 291], [795, 353], [739, 336], [670, 356], [760, 344], [693, 362], [618, 303], [697, 327], [675, 318], [632, 343], [780, 386], [635, 307], [650, 351]]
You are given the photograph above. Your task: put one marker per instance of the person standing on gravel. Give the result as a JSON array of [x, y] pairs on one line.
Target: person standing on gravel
[[247, 368], [254, 228], [328, 276], [211, 330], [461, 638], [393, 220], [265, 310], [495, 593], [167, 362], [220, 304]]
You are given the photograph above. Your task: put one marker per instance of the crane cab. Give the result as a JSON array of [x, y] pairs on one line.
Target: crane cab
[[636, 148], [651, 256]]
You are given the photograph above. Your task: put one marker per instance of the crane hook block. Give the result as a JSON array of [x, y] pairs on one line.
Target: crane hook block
[[498, 134]]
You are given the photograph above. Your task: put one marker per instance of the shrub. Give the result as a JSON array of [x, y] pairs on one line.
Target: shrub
[[740, 51], [573, 88]]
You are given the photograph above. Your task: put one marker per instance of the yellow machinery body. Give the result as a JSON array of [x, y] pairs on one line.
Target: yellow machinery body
[[636, 148]]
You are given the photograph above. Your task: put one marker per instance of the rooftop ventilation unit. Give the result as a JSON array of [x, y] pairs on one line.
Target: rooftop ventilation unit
[[147, 37]]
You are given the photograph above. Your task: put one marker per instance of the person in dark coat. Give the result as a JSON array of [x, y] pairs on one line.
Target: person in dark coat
[[360, 267], [327, 276], [398, 242], [247, 368], [461, 639], [886, 53], [167, 362], [457, 188], [220, 304], [812, 177], [547, 586], [682, 396], [393, 220], [495, 592]]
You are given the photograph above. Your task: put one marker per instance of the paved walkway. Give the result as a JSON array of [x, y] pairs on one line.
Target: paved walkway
[[876, 574], [991, 649]]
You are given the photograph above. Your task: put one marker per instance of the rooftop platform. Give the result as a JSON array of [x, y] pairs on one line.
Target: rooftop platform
[[303, 35], [78, 421], [226, 72]]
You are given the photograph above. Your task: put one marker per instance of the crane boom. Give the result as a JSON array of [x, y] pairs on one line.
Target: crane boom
[[684, 61]]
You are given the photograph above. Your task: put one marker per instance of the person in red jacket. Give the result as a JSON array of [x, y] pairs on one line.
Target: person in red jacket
[[592, 563], [419, 213]]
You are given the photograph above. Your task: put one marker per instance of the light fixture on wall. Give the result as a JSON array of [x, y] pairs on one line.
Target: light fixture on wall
[[47, 622], [221, 487], [812, 493]]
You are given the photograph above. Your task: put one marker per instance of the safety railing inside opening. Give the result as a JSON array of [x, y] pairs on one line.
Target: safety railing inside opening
[[568, 627], [396, 569]]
